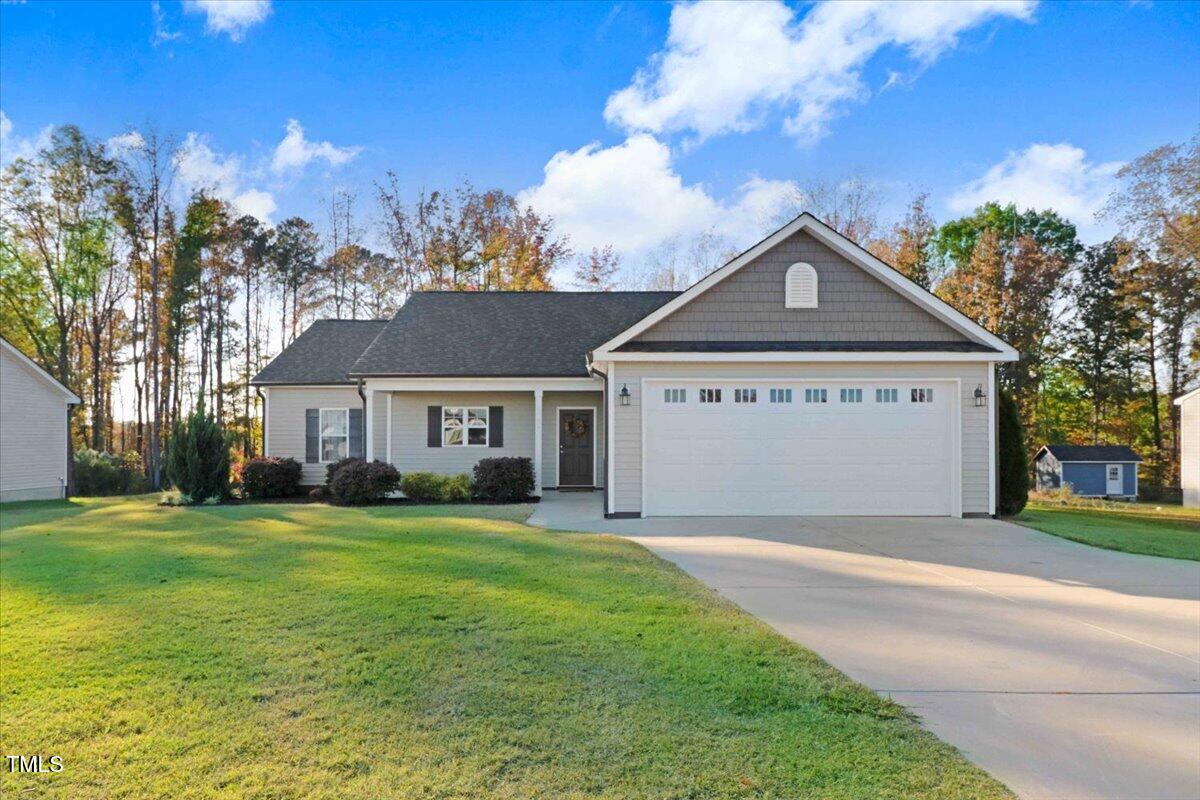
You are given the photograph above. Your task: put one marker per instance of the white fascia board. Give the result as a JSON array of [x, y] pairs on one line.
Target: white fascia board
[[481, 384], [783, 357], [851, 251], [72, 398], [1187, 396]]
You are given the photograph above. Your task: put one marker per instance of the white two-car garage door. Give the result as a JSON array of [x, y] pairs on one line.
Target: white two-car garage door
[[760, 448]]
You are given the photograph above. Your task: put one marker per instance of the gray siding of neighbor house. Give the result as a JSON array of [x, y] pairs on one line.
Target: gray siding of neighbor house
[[1049, 474], [852, 305], [627, 462], [551, 402], [1189, 451], [33, 433], [1091, 480], [285, 422], [410, 447]]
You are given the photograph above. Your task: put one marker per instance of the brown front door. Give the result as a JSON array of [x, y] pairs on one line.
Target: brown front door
[[576, 456]]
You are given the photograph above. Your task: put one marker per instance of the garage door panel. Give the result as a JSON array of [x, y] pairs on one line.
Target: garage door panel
[[799, 458]]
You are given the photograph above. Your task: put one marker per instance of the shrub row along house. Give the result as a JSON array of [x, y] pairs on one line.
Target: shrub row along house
[[804, 376]]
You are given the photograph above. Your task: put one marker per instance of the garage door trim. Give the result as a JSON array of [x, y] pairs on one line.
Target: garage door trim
[[955, 415]]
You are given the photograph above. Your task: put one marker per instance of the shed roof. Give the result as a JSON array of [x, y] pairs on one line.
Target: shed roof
[[1116, 453]]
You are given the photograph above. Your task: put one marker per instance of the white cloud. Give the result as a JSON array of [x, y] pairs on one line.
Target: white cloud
[[232, 17], [727, 65], [14, 147], [124, 142], [161, 32], [630, 196], [295, 152], [1054, 176], [200, 167]]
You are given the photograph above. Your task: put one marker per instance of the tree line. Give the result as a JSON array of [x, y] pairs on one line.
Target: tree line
[[108, 269]]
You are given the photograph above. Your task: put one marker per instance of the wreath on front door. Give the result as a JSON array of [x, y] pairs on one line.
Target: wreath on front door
[[577, 427]]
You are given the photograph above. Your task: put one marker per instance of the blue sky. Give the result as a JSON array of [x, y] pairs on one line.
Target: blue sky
[[737, 107]]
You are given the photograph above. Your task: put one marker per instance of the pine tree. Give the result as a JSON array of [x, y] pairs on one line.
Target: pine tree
[[197, 458]]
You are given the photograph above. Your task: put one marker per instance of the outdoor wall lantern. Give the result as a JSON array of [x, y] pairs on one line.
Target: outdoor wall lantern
[[624, 395], [980, 396]]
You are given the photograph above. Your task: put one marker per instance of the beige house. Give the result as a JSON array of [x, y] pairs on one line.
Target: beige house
[[33, 429], [805, 376], [1189, 447]]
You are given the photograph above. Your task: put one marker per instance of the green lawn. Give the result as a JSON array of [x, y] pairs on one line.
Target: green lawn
[[1147, 528], [282, 651]]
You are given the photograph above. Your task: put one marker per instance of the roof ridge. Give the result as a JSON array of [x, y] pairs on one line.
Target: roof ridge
[[494, 292]]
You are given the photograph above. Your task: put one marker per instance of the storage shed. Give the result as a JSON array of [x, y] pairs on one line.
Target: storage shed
[[1090, 470]]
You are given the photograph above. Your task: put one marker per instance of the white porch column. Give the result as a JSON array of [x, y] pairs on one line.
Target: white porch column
[[369, 426], [388, 429], [537, 442]]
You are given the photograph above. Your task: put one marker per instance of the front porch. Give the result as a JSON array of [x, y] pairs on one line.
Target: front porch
[[447, 426]]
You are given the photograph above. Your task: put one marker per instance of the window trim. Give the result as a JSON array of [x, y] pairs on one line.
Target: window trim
[[487, 420], [321, 437]]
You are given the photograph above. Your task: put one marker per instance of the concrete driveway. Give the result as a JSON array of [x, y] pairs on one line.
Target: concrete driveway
[[1064, 670]]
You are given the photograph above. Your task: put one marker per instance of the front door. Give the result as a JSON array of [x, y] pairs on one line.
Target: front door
[[576, 447], [1115, 483]]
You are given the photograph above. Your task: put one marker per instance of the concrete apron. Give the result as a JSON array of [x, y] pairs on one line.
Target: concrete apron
[[1066, 671]]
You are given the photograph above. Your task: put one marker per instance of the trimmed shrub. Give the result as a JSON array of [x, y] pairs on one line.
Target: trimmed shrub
[[424, 487], [457, 489], [197, 457], [1013, 462], [333, 468], [504, 480], [271, 477], [363, 482]]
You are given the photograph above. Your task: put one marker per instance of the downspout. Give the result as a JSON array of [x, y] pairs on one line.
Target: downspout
[[362, 445], [263, 398]]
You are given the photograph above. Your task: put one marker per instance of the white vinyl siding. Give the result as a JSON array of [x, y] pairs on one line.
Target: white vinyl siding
[[973, 438], [33, 433]]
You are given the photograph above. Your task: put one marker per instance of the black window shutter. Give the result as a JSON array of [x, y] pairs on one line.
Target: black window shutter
[[356, 433], [434, 427], [312, 435], [495, 426]]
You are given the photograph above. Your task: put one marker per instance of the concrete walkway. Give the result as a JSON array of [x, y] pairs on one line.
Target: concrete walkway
[[1064, 670]]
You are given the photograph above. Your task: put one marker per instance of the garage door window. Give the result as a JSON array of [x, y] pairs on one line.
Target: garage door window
[[674, 395], [816, 396], [851, 395], [710, 395], [922, 395], [745, 395], [781, 395], [887, 395]]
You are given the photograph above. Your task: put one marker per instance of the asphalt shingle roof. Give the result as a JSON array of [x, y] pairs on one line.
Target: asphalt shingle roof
[[1093, 452], [508, 334], [322, 354]]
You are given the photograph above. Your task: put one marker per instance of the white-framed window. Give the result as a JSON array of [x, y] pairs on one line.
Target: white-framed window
[[335, 434], [674, 395], [816, 395], [1114, 473], [887, 395], [710, 395], [851, 395], [924, 395], [745, 395], [464, 426], [800, 286], [781, 395]]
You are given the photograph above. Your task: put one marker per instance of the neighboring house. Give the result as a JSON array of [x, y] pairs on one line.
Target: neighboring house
[[33, 429], [1090, 470], [1189, 447], [805, 376]]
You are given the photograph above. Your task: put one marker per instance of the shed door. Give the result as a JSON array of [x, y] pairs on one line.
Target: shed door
[[758, 448], [1115, 480]]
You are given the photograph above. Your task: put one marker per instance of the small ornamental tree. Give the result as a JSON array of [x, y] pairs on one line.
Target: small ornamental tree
[[1014, 465], [197, 457]]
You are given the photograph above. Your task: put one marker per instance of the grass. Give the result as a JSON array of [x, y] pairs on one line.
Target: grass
[[1145, 528], [428, 652]]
